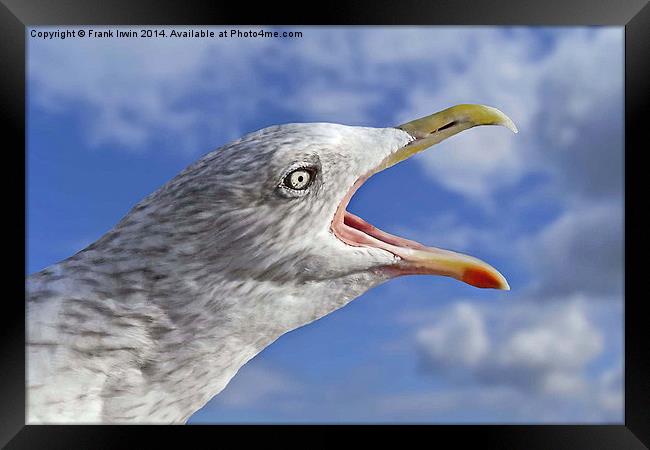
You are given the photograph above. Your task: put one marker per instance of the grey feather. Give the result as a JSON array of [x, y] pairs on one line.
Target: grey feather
[[153, 319]]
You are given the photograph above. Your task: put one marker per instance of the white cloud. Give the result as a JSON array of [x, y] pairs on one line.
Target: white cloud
[[553, 349], [542, 345], [611, 383], [135, 94], [552, 98], [138, 89], [459, 340], [579, 252], [541, 352]]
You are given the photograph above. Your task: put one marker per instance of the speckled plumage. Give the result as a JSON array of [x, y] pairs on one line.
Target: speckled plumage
[[152, 320]]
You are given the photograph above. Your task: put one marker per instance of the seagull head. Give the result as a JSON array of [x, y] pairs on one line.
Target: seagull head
[[251, 241], [271, 207]]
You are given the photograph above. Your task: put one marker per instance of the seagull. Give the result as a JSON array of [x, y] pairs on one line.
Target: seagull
[[253, 240]]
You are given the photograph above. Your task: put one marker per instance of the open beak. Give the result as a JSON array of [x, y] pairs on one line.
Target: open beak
[[414, 257]]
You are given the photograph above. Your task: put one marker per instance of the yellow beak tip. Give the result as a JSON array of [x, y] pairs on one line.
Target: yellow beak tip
[[509, 124]]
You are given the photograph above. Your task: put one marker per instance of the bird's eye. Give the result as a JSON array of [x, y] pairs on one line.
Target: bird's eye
[[299, 179]]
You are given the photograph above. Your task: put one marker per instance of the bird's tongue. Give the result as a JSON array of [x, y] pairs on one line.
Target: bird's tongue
[[362, 231], [419, 259]]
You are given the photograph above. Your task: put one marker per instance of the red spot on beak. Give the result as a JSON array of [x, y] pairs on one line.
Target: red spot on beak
[[482, 278]]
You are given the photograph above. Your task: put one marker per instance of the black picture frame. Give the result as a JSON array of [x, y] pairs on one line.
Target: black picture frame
[[634, 15]]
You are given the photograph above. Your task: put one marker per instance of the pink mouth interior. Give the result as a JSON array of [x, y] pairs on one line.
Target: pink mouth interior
[[353, 230]]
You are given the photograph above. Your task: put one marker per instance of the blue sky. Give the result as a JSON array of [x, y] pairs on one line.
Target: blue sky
[[111, 120]]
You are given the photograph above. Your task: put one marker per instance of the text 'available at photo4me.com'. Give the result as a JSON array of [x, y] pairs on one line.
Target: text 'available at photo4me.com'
[[162, 33]]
